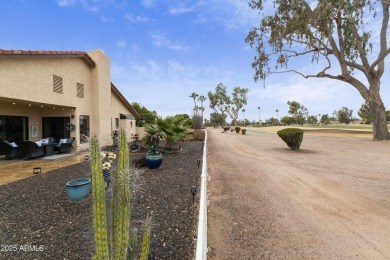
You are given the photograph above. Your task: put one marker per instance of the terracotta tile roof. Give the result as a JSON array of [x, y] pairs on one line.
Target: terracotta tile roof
[[81, 54]]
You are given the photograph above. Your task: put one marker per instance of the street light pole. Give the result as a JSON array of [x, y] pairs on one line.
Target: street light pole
[[277, 115], [259, 115]]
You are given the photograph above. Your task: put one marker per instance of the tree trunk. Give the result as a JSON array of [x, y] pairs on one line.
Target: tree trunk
[[379, 119], [168, 143]]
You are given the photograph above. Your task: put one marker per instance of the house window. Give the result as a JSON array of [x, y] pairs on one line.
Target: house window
[[116, 123], [84, 129], [80, 90], [57, 84]]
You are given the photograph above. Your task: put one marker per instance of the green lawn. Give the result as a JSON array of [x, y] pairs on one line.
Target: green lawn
[[352, 127]]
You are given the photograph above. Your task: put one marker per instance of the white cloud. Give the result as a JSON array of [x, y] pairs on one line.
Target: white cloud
[[66, 3], [232, 14], [161, 40], [181, 10], [122, 44], [165, 86], [303, 90], [91, 5], [137, 18], [148, 3]]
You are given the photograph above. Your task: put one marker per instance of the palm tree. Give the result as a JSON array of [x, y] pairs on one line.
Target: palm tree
[[170, 128], [194, 96], [243, 111], [202, 99]]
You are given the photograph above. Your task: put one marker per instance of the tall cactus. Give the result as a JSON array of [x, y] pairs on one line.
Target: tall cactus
[[99, 202], [146, 239], [120, 202], [120, 239]]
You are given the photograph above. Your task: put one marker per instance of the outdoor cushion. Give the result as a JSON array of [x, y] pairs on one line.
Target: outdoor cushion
[[39, 143], [14, 144], [63, 141], [45, 141], [10, 151]]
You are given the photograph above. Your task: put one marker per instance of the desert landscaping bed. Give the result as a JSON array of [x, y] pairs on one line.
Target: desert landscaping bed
[[37, 221]]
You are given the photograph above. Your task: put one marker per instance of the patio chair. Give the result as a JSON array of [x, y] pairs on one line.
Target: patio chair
[[64, 146], [32, 149], [48, 140], [11, 150]]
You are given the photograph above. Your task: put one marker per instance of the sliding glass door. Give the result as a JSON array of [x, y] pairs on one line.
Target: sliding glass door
[[55, 127], [13, 128]]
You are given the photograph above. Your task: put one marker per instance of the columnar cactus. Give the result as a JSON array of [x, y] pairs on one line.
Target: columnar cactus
[[120, 202], [99, 202], [146, 239], [122, 246]]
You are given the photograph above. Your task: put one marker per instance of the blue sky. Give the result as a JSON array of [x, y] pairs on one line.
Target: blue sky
[[163, 50]]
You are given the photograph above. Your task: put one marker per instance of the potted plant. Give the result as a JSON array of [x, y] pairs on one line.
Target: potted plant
[[153, 156], [237, 128], [134, 146], [243, 130], [78, 189]]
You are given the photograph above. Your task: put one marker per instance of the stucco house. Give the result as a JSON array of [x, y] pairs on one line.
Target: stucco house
[[42, 93]]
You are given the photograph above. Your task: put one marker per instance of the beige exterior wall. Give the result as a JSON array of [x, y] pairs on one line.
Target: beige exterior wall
[[27, 81], [141, 132], [118, 107]]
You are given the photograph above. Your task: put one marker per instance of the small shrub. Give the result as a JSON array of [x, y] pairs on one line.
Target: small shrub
[[197, 134], [292, 137], [197, 122], [226, 128], [237, 128]]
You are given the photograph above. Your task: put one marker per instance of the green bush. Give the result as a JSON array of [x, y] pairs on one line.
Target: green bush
[[292, 137], [237, 128]]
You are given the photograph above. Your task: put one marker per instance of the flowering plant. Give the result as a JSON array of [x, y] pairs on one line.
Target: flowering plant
[[108, 159], [135, 138]]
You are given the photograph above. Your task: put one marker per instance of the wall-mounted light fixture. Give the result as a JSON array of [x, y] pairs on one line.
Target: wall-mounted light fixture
[[37, 170], [131, 123], [72, 116]]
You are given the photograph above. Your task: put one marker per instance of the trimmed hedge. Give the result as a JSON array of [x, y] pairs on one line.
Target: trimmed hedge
[[292, 137]]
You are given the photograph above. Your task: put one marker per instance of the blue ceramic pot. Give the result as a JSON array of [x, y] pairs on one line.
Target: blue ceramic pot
[[78, 189], [153, 161]]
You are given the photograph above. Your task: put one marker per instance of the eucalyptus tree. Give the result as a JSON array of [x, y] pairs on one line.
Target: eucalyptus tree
[[298, 112], [343, 115], [219, 101], [365, 113], [237, 102], [334, 34]]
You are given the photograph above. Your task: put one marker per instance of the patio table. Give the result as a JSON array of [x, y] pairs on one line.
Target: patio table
[[49, 149]]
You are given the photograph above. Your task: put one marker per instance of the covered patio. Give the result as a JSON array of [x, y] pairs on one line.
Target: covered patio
[[17, 169]]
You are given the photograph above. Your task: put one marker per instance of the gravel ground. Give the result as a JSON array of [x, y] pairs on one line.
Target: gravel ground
[[37, 221]]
